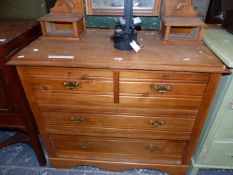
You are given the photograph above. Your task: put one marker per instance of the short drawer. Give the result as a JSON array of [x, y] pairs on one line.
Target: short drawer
[[71, 85], [79, 120], [74, 145], [162, 90], [163, 83], [70, 80], [220, 154], [225, 126]]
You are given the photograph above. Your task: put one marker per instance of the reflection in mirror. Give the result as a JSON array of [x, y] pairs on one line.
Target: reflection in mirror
[[120, 4], [115, 7]]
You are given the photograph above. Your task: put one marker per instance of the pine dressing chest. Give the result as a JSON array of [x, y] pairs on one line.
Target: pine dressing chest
[[118, 110]]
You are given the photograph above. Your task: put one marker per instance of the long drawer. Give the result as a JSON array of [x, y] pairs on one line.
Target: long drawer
[[74, 146], [85, 120], [143, 127]]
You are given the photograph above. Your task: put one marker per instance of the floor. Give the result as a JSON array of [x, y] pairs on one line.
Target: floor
[[19, 159]]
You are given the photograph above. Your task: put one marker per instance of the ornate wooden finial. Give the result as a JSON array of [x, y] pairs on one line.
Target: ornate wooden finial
[[182, 4], [67, 6], [178, 8], [68, 3]]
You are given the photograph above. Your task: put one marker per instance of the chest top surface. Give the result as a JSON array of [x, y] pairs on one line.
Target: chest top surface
[[95, 50]]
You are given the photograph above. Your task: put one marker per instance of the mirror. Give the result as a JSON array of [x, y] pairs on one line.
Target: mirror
[[115, 7], [120, 4]]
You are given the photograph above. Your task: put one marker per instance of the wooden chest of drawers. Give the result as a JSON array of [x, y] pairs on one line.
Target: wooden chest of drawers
[[141, 112], [15, 113]]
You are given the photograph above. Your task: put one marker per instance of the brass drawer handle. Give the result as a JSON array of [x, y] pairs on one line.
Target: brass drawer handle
[[77, 119], [71, 84], [151, 148], [85, 145], [160, 88], [157, 123]]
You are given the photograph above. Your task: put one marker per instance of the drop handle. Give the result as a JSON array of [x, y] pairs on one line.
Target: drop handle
[[151, 148], [77, 119], [231, 104], [157, 123], [85, 145], [161, 88], [71, 84]]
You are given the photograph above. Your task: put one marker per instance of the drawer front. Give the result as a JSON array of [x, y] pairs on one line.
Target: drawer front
[[94, 87], [225, 127], [84, 120], [78, 144], [220, 153], [71, 85], [70, 80], [162, 90]]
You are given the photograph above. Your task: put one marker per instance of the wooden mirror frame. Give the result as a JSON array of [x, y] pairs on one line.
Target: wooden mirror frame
[[114, 12]]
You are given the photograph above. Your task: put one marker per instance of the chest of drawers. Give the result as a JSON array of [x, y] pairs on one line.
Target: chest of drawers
[[140, 112], [215, 146], [15, 113]]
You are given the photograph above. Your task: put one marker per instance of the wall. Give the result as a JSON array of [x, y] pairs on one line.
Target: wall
[[24, 9]]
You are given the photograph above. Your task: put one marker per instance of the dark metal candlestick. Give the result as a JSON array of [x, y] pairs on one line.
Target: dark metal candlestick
[[124, 32], [128, 15]]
